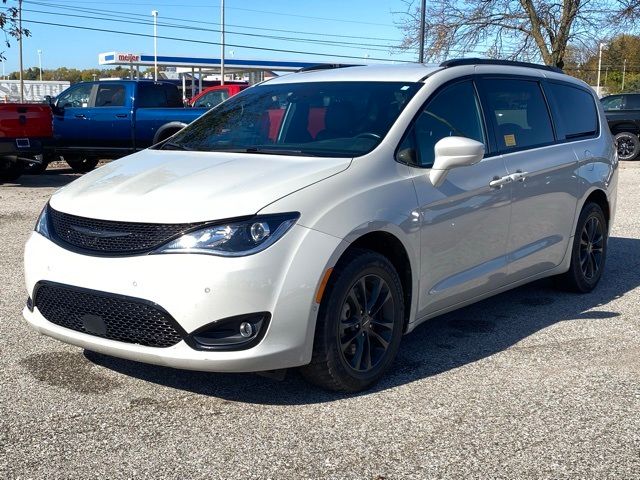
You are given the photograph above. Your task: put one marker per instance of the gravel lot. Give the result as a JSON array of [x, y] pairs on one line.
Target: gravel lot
[[530, 384]]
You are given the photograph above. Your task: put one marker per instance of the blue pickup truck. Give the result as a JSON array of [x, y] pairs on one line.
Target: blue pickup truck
[[113, 118]]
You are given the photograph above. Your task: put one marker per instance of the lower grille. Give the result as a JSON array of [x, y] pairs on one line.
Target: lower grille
[[125, 319]]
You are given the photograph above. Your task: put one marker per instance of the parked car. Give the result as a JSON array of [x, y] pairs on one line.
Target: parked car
[[111, 119], [212, 96], [317, 217], [25, 130], [623, 116]]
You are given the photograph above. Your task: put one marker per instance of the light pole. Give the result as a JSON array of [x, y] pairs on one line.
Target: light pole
[[40, 63], [624, 70], [154, 14], [222, 42], [602, 45], [423, 7], [20, 49]]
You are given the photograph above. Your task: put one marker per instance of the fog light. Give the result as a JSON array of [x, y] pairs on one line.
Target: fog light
[[233, 333], [246, 329]]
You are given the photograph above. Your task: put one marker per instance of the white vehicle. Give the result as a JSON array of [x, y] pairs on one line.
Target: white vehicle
[[312, 220]]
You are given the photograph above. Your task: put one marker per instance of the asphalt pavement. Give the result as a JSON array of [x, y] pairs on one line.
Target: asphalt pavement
[[533, 383]]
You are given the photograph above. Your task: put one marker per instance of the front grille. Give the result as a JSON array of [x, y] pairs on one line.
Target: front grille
[[115, 317], [106, 237]]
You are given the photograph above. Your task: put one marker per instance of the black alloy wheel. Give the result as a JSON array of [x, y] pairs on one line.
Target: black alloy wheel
[[366, 323], [591, 248], [628, 146], [588, 251], [360, 323]]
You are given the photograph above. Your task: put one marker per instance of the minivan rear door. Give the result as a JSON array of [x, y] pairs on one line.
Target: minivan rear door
[[545, 181]]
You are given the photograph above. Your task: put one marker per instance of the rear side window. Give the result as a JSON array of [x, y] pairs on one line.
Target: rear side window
[[155, 95], [454, 111], [519, 112], [110, 95], [633, 102], [576, 111]]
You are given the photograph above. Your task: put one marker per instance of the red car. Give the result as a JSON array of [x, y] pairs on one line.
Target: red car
[[25, 130], [212, 96]]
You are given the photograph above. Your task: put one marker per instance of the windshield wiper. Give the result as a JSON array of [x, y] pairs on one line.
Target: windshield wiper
[[173, 146], [279, 151]]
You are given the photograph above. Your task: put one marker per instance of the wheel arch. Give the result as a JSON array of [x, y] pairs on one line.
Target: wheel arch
[[166, 130], [392, 248], [599, 197]]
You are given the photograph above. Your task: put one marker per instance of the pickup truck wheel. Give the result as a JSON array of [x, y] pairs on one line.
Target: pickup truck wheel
[[81, 164], [628, 146], [10, 171]]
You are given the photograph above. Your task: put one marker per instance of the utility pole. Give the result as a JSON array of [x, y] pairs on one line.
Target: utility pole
[[624, 70], [154, 14], [40, 63], [599, 68], [222, 42], [20, 48], [423, 7]]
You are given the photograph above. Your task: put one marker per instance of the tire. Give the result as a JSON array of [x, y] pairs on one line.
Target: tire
[[10, 171], [588, 252], [351, 352], [628, 146], [81, 163], [35, 168]]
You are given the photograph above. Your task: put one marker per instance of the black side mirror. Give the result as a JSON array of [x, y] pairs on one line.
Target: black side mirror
[[48, 99], [407, 155]]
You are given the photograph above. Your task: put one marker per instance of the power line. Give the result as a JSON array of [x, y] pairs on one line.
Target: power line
[[112, 2], [191, 21], [254, 35], [202, 42]]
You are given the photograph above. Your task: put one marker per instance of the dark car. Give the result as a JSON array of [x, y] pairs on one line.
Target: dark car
[[623, 116]]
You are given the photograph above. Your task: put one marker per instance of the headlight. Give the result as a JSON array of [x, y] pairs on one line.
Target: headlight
[[42, 225], [234, 238]]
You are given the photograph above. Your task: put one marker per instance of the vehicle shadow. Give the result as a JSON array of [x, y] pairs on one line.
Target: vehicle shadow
[[55, 178], [439, 345]]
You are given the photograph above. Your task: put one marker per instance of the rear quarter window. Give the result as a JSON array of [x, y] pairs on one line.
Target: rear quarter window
[[575, 110]]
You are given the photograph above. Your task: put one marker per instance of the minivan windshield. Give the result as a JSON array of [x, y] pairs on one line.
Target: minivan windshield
[[337, 119]]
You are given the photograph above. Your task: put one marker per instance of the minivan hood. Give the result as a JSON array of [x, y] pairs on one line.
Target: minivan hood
[[181, 187]]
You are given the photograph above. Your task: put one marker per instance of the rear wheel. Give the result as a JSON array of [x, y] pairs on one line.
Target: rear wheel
[[589, 251], [81, 163], [10, 171], [359, 325], [628, 146]]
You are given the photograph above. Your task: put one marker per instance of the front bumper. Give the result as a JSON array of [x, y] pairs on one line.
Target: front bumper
[[197, 290]]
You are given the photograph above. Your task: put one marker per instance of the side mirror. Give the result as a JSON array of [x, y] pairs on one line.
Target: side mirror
[[48, 99], [453, 152]]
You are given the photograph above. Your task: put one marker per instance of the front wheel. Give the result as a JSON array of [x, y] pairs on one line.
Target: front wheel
[[81, 163], [588, 253], [628, 146], [359, 325]]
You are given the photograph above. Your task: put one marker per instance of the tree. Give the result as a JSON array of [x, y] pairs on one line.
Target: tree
[[9, 25], [510, 29]]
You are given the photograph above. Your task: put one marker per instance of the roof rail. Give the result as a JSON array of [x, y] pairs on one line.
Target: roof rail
[[326, 66], [488, 61]]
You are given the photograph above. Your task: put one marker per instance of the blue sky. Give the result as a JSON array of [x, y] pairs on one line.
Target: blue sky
[[318, 20]]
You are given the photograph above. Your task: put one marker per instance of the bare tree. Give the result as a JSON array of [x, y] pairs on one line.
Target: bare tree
[[510, 29], [9, 26]]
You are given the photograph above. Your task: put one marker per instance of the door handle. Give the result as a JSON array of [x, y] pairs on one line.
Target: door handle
[[81, 116], [519, 176], [498, 182], [121, 115]]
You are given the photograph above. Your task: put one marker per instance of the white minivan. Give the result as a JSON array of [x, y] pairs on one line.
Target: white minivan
[[312, 220]]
